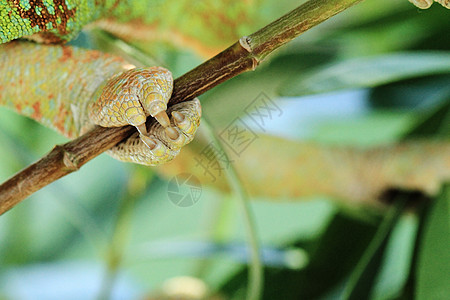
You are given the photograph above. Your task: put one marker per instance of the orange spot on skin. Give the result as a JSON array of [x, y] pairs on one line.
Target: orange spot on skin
[[66, 54], [59, 120], [37, 111], [91, 56]]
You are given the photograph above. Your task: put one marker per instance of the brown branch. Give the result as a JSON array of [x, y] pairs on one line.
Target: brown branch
[[242, 56]]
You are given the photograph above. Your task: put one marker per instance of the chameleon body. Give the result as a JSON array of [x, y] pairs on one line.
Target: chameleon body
[[70, 89]]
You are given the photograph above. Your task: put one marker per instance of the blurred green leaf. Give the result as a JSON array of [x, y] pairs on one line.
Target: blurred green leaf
[[433, 273], [412, 94], [368, 72], [397, 259], [387, 26], [363, 276], [427, 98], [435, 122], [332, 257]]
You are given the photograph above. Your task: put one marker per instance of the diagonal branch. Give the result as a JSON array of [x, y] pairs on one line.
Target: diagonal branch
[[244, 55]]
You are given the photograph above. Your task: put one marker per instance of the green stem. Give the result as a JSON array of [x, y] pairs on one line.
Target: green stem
[[216, 224], [256, 274], [423, 213], [119, 240]]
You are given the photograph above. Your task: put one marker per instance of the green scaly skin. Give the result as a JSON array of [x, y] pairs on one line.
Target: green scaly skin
[[54, 20], [59, 97]]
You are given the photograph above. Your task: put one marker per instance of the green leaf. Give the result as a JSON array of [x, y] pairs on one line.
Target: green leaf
[[435, 122], [363, 276], [412, 94], [433, 274], [332, 257], [368, 72], [397, 260]]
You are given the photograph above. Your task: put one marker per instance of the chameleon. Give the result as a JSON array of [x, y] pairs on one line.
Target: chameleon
[[71, 89], [97, 88]]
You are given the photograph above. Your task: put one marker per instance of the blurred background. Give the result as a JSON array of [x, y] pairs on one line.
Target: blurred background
[[340, 210]]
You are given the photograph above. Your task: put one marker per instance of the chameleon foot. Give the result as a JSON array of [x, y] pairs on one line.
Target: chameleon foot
[[424, 4], [128, 98], [161, 145]]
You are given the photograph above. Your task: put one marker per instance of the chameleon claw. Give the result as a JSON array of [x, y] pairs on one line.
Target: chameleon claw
[[172, 133], [155, 147], [183, 122], [142, 128], [179, 117], [151, 143], [163, 119]]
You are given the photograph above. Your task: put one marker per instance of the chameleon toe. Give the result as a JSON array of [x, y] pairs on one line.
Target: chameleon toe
[[175, 138], [131, 96], [135, 115], [185, 125], [172, 133], [163, 119], [157, 149], [150, 142], [186, 116], [177, 116], [142, 128], [145, 150]]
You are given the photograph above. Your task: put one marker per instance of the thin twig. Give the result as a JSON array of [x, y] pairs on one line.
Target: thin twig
[[242, 56]]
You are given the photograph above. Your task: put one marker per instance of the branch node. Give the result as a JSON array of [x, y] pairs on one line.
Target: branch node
[[70, 160], [246, 43]]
